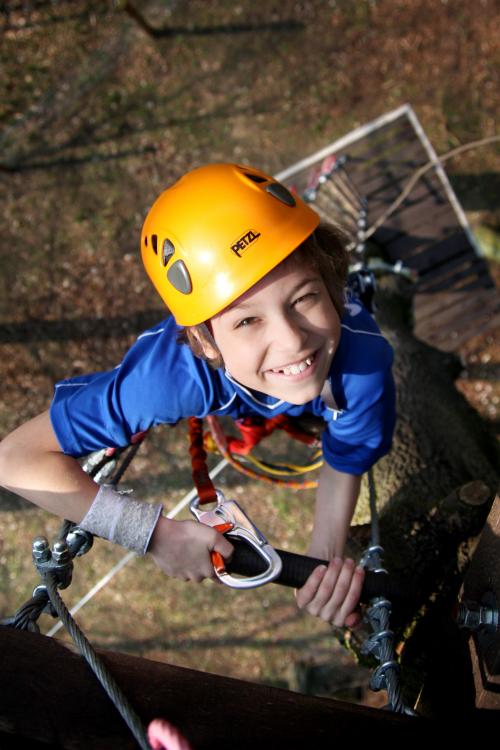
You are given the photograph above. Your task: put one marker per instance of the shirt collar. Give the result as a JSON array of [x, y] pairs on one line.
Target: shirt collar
[[262, 399]]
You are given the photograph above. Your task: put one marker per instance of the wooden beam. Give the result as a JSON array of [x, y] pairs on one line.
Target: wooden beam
[[49, 695], [483, 578]]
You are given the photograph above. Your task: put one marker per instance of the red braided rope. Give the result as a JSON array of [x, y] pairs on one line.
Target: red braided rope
[[253, 430], [201, 478]]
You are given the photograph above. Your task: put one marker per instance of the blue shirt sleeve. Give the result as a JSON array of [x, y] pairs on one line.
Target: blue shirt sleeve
[[361, 431], [159, 381]]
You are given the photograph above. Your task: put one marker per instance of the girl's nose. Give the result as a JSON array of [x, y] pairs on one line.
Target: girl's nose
[[288, 334]]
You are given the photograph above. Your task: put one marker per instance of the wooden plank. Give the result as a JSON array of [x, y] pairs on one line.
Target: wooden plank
[[459, 272], [454, 340], [420, 248], [388, 169], [463, 279], [469, 307], [424, 197], [384, 185], [414, 209], [389, 140], [421, 207], [449, 329], [387, 173], [451, 340], [461, 265], [409, 247], [50, 695], [426, 306], [442, 252]]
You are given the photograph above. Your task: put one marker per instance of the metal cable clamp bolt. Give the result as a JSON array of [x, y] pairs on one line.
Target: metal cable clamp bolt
[[57, 561], [479, 617], [79, 541], [229, 518]]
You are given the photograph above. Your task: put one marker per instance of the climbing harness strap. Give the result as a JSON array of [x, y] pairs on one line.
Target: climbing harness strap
[[227, 517], [201, 478], [252, 432], [255, 429]]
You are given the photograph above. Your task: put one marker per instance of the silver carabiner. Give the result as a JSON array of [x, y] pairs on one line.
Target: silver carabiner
[[229, 512]]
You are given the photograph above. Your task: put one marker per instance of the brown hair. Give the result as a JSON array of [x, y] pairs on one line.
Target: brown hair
[[324, 251]]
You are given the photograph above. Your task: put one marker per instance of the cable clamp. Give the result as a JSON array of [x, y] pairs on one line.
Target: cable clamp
[[56, 560]]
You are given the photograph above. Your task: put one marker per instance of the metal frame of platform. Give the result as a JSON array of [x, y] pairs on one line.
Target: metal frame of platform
[[455, 297]]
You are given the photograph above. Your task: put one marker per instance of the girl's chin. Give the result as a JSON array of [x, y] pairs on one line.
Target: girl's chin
[[296, 396]]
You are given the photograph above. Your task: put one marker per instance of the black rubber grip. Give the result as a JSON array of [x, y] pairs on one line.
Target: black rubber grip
[[297, 569]]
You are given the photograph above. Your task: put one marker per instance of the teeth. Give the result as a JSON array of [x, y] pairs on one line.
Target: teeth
[[296, 368]]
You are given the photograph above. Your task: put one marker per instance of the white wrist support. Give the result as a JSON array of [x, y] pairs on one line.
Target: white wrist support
[[120, 519]]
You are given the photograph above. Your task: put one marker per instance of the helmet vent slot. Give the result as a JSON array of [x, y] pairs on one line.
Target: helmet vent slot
[[154, 242], [255, 178], [279, 191], [168, 250]]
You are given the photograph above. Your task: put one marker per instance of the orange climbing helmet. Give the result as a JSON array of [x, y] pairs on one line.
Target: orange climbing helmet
[[215, 233]]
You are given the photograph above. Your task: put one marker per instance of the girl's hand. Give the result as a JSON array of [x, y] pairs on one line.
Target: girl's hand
[[333, 592], [182, 548]]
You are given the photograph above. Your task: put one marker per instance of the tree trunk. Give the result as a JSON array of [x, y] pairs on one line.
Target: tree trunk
[[440, 443], [435, 488]]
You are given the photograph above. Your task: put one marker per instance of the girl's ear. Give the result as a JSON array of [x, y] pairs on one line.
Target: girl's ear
[[205, 341]]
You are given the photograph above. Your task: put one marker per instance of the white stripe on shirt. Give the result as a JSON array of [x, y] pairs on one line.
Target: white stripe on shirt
[[357, 330]]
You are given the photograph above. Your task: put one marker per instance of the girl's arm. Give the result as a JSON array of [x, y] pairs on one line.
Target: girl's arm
[[33, 466], [336, 499], [333, 592]]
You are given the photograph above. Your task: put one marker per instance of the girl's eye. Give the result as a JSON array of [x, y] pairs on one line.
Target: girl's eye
[[305, 298], [245, 322]]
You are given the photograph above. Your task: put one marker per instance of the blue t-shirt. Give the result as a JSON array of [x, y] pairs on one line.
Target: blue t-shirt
[[161, 381]]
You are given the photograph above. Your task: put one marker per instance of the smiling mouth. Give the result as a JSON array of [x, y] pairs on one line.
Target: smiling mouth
[[296, 368]]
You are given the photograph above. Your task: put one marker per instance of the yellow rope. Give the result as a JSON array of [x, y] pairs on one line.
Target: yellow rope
[[284, 469]]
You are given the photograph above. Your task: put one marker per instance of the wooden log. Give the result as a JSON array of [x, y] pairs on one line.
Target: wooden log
[[49, 695], [483, 579]]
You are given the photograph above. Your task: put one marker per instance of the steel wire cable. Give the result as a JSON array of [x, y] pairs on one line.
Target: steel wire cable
[[26, 616], [102, 673], [381, 642], [387, 674]]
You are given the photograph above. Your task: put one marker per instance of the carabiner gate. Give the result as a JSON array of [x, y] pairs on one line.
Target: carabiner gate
[[230, 518]]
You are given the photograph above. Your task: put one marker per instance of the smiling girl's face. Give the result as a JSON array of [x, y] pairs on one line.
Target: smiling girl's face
[[279, 338]]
